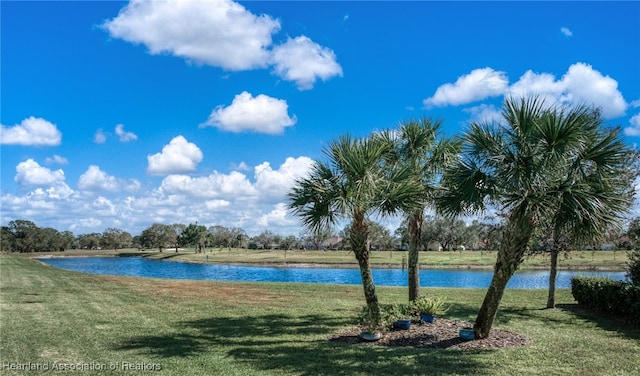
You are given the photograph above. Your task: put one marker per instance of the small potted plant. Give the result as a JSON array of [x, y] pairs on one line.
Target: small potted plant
[[428, 308], [372, 328], [395, 316]]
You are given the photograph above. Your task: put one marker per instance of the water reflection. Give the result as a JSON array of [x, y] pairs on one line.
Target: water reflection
[[139, 267]]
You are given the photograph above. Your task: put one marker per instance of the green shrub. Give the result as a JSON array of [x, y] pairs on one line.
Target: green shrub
[[428, 305], [607, 296], [389, 313]]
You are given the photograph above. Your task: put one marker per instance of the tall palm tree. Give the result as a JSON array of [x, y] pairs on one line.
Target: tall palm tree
[[541, 164], [352, 184], [418, 145]]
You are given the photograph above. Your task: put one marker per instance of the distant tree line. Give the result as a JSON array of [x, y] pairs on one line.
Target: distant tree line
[[445, 233]]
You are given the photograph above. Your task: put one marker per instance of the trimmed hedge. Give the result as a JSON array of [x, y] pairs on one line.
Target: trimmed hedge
[[607, 296]]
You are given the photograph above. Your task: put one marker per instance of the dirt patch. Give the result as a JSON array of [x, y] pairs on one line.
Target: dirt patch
[[442, 334]]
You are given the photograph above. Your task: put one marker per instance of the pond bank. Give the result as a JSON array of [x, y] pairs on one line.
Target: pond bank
[[599, 261]]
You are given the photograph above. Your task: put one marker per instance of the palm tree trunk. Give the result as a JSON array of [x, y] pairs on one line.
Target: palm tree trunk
[[512, 249], [487, 313], [415, 231], [551, 299], [370, 294], [358, 239]]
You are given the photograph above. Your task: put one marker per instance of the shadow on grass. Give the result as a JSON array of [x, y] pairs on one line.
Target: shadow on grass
[[464, 312], [299, 345], [604, 321]]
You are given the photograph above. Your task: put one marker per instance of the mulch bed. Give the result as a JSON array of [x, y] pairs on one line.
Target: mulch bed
[[442, 334]]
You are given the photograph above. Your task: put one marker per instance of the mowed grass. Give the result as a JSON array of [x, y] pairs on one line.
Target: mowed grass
[[465, 259], [66, 319]]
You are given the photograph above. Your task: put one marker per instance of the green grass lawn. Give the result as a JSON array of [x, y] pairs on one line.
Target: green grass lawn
[[486, 259], [55, 318]]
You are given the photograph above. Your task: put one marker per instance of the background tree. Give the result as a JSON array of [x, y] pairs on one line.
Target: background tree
[[49, 239], [178, 228], [490, 234], [24, 235], [633, 232], [380, 238], [194, 235], [89, 241], [220, 236], [67, 240], [290, 242], [158, 236], [265, 239], [7, 240], [238, 238], [514, 166], [352, 184], [633, 271], [449, 232], [316, 237], [115, 238]]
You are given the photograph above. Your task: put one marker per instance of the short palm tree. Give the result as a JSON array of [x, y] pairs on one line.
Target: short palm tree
[[542, 164], [593, 189], [352, 184], [418, 145]]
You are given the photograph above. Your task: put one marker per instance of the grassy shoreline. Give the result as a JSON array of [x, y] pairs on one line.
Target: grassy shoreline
[[50, 316], [577, 260]]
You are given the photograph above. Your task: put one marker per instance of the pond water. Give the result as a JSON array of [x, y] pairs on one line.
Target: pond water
[[140, 267]]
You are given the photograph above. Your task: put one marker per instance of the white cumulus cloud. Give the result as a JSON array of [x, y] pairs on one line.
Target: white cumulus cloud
[[216, 185], [278, 217], [634, 129], [566, 32], [303, 61], [30, 172], [32, 131], [477, 85], [100, 137], [56, 159], [94, 179], [179, 156], [484, 113], [222, 33], [272, 182], [124, 136], [581, 84], [262, 114], [251, 201], [219, 33]]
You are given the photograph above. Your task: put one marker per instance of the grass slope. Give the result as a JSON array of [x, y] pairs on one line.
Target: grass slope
[[57, 318]]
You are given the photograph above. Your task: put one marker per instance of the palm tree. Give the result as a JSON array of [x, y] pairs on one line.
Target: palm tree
[[418, 146], [593, 189], [352, 184], [544, 163]]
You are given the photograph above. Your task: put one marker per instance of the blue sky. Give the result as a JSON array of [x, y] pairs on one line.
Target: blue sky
[[118, 114]]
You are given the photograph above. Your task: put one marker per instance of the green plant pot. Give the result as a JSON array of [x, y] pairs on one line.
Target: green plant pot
[[427, 318], [467, 334], [402, 324]]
